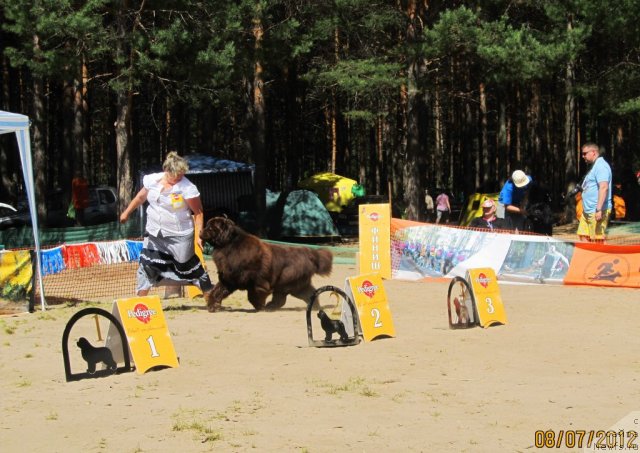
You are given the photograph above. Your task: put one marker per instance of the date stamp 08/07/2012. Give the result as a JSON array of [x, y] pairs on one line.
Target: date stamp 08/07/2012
[[599, 440]]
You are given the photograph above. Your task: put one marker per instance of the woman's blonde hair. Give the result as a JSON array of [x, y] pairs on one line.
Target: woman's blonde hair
[[175, 165]]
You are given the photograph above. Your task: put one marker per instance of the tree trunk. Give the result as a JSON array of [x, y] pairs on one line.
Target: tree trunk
[[38, 138], [570, 146], [38, 150], [125, 177], [535, 156], [502, 146], [411, 176], [78, 126], [125, 183], [259, 126], [437, 159], [65, 118], [484, 152], [379, 154]]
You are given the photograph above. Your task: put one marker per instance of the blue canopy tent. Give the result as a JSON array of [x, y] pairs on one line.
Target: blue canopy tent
[[19, 124]]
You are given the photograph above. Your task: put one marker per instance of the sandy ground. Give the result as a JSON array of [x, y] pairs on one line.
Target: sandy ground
[[567, 360]]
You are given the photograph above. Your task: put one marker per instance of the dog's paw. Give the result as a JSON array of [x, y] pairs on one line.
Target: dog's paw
[[214, 307], [277, 302], [273, 307]]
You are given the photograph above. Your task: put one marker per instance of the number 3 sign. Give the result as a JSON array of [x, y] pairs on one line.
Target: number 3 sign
[[373, 309], [486, 293], [147, 333]]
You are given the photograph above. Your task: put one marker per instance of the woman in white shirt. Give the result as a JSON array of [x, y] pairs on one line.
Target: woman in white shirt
[[168, 251]]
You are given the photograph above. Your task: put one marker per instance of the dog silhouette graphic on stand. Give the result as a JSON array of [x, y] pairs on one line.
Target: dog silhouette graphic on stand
[[331, 326], [93, 355]]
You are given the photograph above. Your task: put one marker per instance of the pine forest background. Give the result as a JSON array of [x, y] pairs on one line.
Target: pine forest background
[[399, 95]]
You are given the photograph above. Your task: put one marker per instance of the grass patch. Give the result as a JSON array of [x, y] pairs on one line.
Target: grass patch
[[191, 420], [46, 316], [356, 385], [23, 383]]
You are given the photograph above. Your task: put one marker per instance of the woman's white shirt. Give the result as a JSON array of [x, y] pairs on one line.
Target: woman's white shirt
[[168, 212]]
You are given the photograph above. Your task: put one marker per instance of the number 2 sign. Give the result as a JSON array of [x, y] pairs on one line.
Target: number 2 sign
[[146, 329], [370, 299]]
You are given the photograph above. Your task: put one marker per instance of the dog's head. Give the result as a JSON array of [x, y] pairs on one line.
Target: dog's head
[[83, 343], [219, 231]]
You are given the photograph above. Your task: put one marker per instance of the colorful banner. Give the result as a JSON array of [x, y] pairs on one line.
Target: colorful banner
[[420, 250], [16, 273], [605, 265], [80, 255], [51, 261]]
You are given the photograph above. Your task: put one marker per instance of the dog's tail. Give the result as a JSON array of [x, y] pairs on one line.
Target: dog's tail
[[323, 260]]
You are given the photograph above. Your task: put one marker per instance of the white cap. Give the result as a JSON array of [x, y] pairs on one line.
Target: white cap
[[520, 179]]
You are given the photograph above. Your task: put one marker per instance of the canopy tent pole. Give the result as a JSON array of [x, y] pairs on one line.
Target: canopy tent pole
[[19, 124]]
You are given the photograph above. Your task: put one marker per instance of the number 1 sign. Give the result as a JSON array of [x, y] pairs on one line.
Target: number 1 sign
[[146, 329]]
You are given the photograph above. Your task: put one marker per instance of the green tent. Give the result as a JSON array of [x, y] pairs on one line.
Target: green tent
[[298, 214]]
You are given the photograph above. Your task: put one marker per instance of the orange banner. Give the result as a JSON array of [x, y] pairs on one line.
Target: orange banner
[[604, 265], [80, 255]]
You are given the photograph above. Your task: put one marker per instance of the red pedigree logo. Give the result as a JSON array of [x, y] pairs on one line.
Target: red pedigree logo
[[368, 289], [142, 313], [483, 280], [374, 216]]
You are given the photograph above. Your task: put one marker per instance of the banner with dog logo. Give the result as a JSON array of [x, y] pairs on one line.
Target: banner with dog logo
[[370, 298], [147, 332], [605, 265]]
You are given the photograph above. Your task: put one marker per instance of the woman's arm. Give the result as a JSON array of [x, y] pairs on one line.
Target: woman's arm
[[137, 201], [195, 204]]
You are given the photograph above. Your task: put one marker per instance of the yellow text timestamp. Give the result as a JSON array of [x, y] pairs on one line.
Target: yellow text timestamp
[[587, 438]]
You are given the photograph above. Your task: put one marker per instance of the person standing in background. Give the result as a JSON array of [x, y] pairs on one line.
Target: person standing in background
[[512, 197], [443, 208], [79, 196], [596, 196], [175, 210], [488, 219], [428, 201]]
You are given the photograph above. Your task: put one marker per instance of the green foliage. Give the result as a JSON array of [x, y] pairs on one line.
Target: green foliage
[[199, 56], [50, 34], [455, 33]]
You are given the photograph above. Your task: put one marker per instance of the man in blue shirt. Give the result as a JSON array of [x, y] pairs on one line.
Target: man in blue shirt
[[512, 198], [596, 196]]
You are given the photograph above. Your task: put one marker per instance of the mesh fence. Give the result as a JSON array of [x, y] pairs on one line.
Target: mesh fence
[[106, 282]]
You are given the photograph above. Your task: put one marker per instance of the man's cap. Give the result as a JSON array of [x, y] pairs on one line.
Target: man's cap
[[520, 179], [488, 203]]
